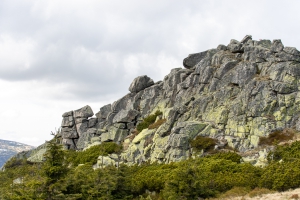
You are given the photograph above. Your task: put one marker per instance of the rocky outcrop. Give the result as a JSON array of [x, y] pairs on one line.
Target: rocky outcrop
[[235, 93], [76, 127]]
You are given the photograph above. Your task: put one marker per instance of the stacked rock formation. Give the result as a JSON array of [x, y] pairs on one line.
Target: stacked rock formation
[[77, 128], [235, 93]]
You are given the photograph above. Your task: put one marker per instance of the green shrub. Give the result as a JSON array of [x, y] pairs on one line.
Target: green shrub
[[148, 121], [277, 136], [15, 162], [91, 154], [204, 143], [281, 176], [234, 157], [289, 152]]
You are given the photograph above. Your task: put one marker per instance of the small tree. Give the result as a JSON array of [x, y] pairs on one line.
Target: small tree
[[54, 168]]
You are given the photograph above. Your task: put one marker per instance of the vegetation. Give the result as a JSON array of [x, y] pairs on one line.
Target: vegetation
[[277, 136], [203, 143], [157, 124], [90, 155], [219, 175], [288, 152], [148, 121]]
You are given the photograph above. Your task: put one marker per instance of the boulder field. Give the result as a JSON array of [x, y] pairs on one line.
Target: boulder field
[[235, 93]]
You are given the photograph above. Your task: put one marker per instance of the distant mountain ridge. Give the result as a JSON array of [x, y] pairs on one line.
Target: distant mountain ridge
[[11, 148]]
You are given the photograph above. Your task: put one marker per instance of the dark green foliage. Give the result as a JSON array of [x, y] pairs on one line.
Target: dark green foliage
[[91, 154], [288, 152], [281, 175], [204, 143], [285, 174], [277, 136], [205, 177], [14, 162], [54, 169], [234, 157], [148, 121]]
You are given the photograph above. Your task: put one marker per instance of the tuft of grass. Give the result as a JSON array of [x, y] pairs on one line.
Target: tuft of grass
[[259, 192], [294, 196], [204, 143], [277, 136], [157, 124], [148, 121], [235, 192]]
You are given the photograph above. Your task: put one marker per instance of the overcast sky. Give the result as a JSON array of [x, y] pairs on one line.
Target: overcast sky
[[58, 55]]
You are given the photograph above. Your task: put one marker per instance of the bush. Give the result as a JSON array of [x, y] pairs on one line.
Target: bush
[[234, 157], [15, 162], [289, 152], [91, 154], [281, 176], [148, 121], [277, 136], [204, 143]]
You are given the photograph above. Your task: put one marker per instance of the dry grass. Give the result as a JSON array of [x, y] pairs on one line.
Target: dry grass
[[278, 136], [262, 78], [294, 196], [235, 192], [265, 194], [133, 134], [258, 192], [157, 124]]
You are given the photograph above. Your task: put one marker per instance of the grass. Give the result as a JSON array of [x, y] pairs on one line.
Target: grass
[[235, 192], [157, 124], [259, 192], [148, 121], [277, 136]]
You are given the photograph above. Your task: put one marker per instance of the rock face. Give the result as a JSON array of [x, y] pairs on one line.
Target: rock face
[[76, 127], [235, 94]]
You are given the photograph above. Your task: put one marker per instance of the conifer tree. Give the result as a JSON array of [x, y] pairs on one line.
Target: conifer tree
[[54, 169]]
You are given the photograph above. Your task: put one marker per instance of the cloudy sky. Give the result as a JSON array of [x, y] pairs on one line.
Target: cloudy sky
[[60, 55]]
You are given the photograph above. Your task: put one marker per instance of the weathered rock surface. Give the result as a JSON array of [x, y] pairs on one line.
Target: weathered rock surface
[[140, 83], [235, 93]]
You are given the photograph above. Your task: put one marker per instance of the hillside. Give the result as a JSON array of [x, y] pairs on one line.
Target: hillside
[[235, 94], [10, 148], [228, 122]]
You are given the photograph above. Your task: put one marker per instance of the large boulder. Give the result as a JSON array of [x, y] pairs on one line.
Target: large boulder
[[193, 59], [140, 83], [126, 116], [103, 113], [84, 112], [114, 134]]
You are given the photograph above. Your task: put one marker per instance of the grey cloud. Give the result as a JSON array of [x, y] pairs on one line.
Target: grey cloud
[[110, 31]]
